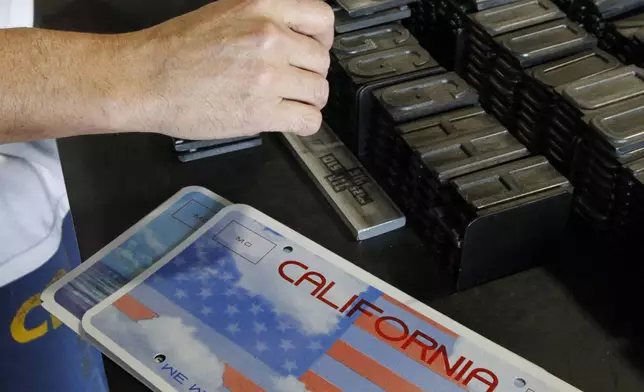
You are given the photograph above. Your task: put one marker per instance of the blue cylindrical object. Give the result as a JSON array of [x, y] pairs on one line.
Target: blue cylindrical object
[[38, 352]]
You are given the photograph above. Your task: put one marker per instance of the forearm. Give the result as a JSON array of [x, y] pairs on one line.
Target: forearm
[[58, 84], [231, 68]]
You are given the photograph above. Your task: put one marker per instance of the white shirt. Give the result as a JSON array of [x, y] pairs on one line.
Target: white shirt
[[33, 199]]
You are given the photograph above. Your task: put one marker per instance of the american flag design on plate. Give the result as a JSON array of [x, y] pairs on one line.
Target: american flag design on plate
[[244, 308]]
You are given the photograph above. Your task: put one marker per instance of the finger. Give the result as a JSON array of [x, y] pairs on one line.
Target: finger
[[296, 117], [308, 17], [303, 86], [308, 54]]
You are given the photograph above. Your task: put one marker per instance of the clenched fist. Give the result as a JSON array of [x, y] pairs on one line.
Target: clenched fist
[[236, 68], [232, 68]]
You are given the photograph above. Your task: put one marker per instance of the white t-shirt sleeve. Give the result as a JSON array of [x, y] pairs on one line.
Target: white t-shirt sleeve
[[33, 204]]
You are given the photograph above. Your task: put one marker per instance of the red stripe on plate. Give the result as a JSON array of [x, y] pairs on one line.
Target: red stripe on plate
[[237, 382], [315, 383], [370, 369], [133, 309]]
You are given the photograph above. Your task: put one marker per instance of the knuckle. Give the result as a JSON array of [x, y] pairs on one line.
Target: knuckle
[[267, 34]]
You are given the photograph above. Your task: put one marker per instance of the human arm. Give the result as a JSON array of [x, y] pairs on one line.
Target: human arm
[[230, 68]]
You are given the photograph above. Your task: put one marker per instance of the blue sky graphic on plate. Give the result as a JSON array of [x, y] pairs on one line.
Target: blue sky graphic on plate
[[209, 288], [137, 253]]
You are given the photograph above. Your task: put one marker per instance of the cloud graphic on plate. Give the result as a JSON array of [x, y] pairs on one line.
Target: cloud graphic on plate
[[153, 242], [314, 316], [170, 336], [289, 384], [176, 340]]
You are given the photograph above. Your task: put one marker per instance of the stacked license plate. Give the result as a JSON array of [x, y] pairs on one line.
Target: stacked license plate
[[358, 16], [596, 15], [192, 150], [539, 102], [442, 26], [426, 153], [580, 102], [485, 25], [501, 70], [625, 39], [400, 104], [365, 60], [615, 140], [431, 145], [230, 300]]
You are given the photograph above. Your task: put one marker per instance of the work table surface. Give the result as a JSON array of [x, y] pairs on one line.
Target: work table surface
[[576, 316]]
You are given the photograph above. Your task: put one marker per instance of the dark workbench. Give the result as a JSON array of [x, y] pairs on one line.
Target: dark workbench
[[577, 316]]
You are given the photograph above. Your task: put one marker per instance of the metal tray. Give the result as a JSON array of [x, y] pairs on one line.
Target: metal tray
[[531, 112], [577, 67], [536, 99], [527, 134], [502, 111], [546, 42], [516, 16], [527, 100], [345, 23], [507, 69], [509, 182], [429, 130], [427, 96], [560, 162], [500, 88], [561, 151], [221, 149], [479, 61], [608, 88], [357, 8], [457, 155], [369, 40], [388, 63], [353, 79], [405, 71], [182, 145], [363, 206], [622, 126], [560, 138], [567, 114], [474, 76], [562, 133], [522, 209], [482, 44]]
